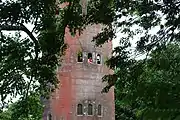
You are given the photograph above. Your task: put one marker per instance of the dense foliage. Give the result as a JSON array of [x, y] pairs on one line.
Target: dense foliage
[[147, 27], [29, 64], [20, 111], [152, 90], [146, 87]]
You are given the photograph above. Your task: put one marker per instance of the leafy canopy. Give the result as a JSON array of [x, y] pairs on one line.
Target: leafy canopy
[[145, 25], [147, 28], [20, 111], [39, 55], [154, 89], [28, 65]]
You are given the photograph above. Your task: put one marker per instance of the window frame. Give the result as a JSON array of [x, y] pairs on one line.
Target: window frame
[[78, 109], [91, 109], [100, 115], [78, 55], [88, 57], [99, 58], [49, 114]]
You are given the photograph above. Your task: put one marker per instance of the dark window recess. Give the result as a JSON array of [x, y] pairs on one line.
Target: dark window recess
[[99, 110], [98, 58], [80, 57], [49, 116], [90, 109], [90, 57], [57, 11], [79, 109]]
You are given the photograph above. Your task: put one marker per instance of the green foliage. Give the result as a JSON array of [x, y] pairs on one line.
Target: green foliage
[[153, 82], [140, 84], [28, 65], [6, 115], [29, 109], [31, 62], [151, 89], [139, 17]]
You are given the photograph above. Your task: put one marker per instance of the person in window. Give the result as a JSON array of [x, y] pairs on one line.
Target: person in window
[[98, 59], [90, 60]]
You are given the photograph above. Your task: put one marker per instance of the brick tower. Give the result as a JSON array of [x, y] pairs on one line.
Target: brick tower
[[79, 94]]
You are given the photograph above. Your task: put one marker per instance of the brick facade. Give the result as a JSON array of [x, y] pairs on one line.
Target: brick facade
[[80, 82]]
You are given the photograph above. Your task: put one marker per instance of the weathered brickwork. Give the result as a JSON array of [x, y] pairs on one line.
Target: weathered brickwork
[[81, 83]]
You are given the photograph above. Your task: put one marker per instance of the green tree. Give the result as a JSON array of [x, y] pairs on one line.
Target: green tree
[[28, 65], [19, 111], [6, 115], [151, 89], [28, 109], [37, 58], [156, 23]]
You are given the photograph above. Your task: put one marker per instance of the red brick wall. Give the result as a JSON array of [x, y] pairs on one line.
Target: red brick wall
[[81, 82]]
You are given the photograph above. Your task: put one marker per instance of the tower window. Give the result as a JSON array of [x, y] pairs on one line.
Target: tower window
[[79, 109], [90, 60], [98, 59], [99, 110], [80, 57], [90, 109], [49, 117]]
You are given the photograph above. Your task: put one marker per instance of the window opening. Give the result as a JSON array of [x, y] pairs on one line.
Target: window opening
[[90, 58], [80, 57], [98, 58], [49, 116], [79, 109], [90, 109], [99, 110]]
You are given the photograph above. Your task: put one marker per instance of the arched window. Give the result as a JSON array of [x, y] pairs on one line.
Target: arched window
[[90, 109], [90, 60], [99, 110], [79, 109], [49, 117], [98, 59], [80, 57]]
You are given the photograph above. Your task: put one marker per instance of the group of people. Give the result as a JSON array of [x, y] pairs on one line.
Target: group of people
[[90, 60]]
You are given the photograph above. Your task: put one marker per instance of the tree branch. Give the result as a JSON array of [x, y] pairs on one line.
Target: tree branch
[[19, 28], [22, 28]]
